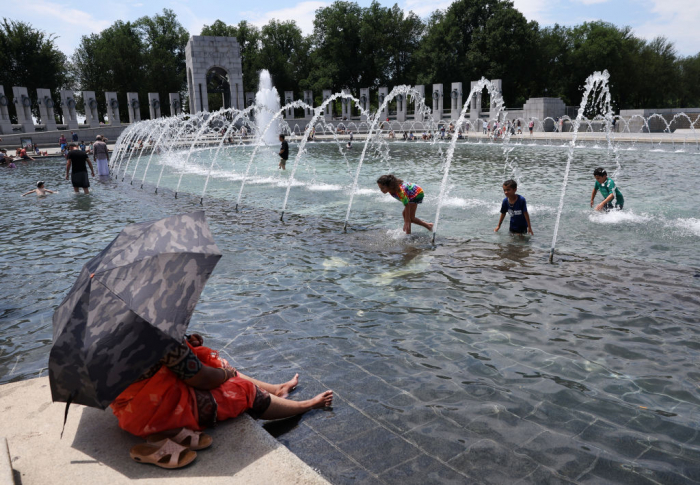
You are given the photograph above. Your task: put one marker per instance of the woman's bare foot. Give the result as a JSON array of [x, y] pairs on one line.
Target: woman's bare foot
[[284, 389], [323, 400], [430, 226]]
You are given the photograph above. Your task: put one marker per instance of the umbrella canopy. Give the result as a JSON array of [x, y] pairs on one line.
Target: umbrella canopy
[[130, 306]]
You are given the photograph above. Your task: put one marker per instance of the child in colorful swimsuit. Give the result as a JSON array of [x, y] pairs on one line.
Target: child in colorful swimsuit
[[409, 194]]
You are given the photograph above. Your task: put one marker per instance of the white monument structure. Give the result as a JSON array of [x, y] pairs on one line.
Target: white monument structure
[[23, 105], [132, 101], [112, 108], [175, 104], [91, 117], [46, 112], [214, 66], [154, 105], [5, 123], [68, 107]]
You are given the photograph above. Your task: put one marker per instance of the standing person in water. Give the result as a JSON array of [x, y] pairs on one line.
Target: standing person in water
[[608, 190], [76, 161], [516, 206], [409, 194], [284, 153]]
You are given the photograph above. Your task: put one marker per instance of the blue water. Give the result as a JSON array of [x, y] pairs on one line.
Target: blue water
[[473, 360]]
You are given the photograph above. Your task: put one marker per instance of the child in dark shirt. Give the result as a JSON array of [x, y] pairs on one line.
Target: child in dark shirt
[[516, 206]]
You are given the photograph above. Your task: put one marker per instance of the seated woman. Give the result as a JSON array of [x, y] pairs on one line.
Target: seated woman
[[191, 387]]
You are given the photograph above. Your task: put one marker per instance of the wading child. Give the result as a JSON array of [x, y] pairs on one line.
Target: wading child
[[516, 206], [409, 194], [607, 190], [40, 190]]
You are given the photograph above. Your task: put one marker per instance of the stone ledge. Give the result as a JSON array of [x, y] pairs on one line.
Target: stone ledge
[[95, 450]]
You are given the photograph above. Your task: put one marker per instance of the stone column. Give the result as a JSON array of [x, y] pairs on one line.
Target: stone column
[[70, 117], [401, 108], [309, 99], [92, 118], [498, 84], [417, 101], [475, 106], [249, 99], [383, 93], [346, 105], [437, 102], [201, 101], [48, 117], [456, 100], [112, 108], [364, 102], [23, 105], [288, 98], [175, 104], [132, 100], [154, 105], [328, 111], [5, 123]]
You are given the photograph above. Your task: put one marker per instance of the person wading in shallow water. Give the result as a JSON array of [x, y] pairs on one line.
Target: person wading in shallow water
[[410, 195], [284, 153], [76, 160]]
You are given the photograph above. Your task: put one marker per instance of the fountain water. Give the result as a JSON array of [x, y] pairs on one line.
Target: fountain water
[[596, 82], [267, 101]]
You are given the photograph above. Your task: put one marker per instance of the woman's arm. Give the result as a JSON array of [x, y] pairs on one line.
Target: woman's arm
[[209, 377]]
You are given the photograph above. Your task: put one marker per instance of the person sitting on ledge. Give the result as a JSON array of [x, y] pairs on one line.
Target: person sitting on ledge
[[192, 387]]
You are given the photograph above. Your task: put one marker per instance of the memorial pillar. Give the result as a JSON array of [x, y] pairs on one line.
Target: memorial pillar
[[417, 101], [70, 117], [23, 106], [328, 111], [92, 118], [132, 101], [346, 105], [46, 111], [498, 85], [401, 107], [456, 101], [309, 99], [175, 104], [364, 102], [288, 99], [475, 105], [154, 105], [112, 108], [383, 93], [5, 123], [437, 102]]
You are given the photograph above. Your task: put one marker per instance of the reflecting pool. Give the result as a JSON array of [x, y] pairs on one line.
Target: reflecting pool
[[473, 360]]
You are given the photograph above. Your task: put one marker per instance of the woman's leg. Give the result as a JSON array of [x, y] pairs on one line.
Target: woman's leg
[[412, 212], [279, 390], [284, 408]]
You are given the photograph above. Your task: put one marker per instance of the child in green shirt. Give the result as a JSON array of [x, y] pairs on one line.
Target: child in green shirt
[[608, 190]]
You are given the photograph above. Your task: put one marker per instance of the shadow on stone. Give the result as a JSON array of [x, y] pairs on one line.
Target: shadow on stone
[[236, 446]]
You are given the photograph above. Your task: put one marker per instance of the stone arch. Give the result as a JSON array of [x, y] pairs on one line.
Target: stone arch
[[205, 54]]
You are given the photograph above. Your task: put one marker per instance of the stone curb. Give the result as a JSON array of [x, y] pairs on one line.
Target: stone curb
[[6, 476]]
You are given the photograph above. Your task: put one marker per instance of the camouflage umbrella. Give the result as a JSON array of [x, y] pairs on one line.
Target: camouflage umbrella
[[130, 306]]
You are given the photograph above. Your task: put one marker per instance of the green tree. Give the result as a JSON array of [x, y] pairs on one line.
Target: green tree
[[285, 53], [474, 38], [30, 58], [144, 56]]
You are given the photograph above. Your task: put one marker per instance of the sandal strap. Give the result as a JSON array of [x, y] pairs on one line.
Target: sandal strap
[[187, 433], [169, 447]]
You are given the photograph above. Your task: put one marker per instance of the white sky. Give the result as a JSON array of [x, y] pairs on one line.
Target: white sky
[[677, 20]]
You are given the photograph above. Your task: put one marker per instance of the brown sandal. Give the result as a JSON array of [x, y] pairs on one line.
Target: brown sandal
[[194, 440], [158, 454]]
